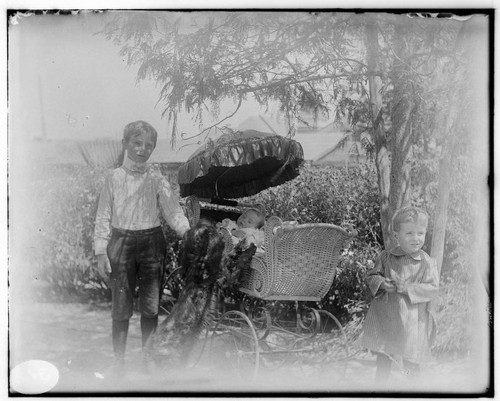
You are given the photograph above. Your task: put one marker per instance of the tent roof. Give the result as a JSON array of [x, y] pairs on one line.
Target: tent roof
[[316, 145], [164, 153], [52, 151], [263, 124], [68, 152]]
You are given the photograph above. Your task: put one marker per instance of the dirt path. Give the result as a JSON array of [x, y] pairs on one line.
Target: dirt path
[[76, 339]]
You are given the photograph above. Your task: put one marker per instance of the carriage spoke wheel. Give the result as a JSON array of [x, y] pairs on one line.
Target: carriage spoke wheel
[[261, 319], [234, 346], [308, 322], [173, 285], [275, 350], [327, 349], [258, 313]]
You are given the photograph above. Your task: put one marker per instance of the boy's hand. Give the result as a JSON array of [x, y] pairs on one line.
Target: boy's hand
[[103, 266], [388, 285]]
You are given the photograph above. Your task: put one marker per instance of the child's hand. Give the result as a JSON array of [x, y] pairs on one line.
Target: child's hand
[[238, 233], [228, 224], [103, 266], [401, 287], [388, 285]]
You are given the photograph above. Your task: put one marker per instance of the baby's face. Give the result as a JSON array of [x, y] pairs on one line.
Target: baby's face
[[250, 219], [140, 147], [411, 236]]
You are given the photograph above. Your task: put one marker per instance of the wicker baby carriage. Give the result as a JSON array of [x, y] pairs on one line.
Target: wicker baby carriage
[[298, 264], [299, 261]]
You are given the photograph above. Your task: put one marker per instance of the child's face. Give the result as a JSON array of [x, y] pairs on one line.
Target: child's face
[[250, 219], [411, 236], [140, 147]]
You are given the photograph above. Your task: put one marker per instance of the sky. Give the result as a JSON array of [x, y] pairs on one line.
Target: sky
[[67, 82]]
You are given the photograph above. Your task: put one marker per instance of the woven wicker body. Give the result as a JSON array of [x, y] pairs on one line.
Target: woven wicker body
[[299, 262]]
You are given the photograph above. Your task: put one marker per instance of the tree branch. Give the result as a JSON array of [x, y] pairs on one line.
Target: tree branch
[[218, 122], [291, 81]]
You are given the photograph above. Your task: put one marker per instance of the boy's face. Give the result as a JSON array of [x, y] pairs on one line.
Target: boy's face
[[411, 236], [249, 219], [140, 147]]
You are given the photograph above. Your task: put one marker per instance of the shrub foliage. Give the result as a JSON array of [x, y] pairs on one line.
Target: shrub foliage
[[64, 230], [67, 199], [341, 197]]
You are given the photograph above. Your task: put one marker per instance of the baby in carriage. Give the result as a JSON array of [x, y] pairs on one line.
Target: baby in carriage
[[248, 228]]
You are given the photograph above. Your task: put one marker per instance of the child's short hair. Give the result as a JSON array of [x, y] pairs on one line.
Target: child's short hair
[[409, 214], [139, 127]]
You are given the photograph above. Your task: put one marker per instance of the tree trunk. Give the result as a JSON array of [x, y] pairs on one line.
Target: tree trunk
[[473, 90], [444, 175], [401, 115], [441, 213], [382, 160]]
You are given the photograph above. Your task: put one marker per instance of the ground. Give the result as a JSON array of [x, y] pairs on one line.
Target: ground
[[76, 339]]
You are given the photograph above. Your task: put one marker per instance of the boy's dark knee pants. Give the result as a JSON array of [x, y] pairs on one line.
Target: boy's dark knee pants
[[136, 258]]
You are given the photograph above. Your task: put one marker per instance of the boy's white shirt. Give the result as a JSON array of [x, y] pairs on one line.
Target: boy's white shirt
[[130, 199]]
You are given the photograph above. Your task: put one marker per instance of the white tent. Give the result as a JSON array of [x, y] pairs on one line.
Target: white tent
[[164, 153], [263, 124]]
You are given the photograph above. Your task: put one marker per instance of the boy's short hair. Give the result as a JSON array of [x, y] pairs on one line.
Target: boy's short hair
[[139, 127], [409, 214]]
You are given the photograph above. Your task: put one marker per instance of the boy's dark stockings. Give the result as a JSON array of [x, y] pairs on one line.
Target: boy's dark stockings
[[148, 327], [119, 333]]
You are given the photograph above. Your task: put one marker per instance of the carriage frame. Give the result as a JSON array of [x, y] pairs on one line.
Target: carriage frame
[[276, 319]]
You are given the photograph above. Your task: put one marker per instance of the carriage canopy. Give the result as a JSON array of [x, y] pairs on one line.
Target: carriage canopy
[[240, 164]]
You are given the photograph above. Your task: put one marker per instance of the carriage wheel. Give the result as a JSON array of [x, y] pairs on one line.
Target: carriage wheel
[[327, 349], [308, 322], [173, 285], [259, 315], [234, 347], [275, 350], [261, 319]]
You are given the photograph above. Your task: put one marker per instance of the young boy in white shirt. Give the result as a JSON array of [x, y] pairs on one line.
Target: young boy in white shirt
[[129, 242]]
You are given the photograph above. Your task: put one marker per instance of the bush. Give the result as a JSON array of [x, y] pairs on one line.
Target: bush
[[461, 248], [337, 196], [63, 225], [329, 195], [64, 231], [454, 315]]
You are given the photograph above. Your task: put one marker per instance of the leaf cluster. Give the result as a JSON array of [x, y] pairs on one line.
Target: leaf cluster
[[199, 59]]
